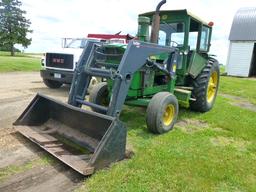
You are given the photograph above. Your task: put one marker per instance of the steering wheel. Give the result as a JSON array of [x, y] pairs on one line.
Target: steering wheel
[[173, 44]]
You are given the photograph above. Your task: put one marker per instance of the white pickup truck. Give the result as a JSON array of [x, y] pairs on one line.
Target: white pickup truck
[[58, 66]]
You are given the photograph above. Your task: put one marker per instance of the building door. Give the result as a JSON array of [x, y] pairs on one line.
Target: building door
[[253, 63], [239, 59]]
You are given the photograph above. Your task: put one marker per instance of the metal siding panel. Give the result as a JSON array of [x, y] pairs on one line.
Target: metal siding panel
[[244, 25], [239, 59]]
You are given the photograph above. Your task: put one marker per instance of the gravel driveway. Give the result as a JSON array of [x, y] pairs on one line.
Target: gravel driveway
[[16, 91]]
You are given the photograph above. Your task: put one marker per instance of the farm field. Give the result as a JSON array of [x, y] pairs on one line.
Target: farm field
[[214, 151], [20, 62]]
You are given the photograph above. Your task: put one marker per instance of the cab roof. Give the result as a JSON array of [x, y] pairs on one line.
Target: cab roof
[[181, 12]]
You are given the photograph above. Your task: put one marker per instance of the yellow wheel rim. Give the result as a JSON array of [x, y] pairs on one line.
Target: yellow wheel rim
[[212, 86], [169, 114]]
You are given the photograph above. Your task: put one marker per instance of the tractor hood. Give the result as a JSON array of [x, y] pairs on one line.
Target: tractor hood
[[116, 45]]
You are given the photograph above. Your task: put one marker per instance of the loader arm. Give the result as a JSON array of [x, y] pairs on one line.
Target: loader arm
[[81, 80], [134, 58]]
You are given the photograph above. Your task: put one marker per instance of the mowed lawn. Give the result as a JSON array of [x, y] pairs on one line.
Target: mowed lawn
[[240, 87], [20, 62], [213, 151]]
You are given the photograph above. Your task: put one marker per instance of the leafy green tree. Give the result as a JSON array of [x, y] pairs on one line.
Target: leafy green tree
[[8, 48], [13, 25]]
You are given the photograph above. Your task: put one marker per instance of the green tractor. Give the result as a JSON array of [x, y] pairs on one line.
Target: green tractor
[[192, 80], [163, 70]]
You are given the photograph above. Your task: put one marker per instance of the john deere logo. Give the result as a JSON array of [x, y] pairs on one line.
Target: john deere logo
[[164, 17]]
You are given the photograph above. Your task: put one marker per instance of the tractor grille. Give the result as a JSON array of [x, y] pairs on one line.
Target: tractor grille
[[58, 60]]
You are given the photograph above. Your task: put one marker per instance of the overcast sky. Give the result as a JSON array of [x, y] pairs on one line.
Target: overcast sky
[[54, 19]]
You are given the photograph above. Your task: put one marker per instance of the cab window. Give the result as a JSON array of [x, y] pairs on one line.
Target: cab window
[[204, 40], [194, 29], [162, 38], [172, 34], [192, 41]]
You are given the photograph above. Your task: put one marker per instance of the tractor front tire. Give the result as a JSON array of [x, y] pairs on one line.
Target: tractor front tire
[[162, 112], [52, 84], [205, 87], [99, 96]]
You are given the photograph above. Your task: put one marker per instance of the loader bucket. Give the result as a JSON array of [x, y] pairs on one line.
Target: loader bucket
[[84, 140]]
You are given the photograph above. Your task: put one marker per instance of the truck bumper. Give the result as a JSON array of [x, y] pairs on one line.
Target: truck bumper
[[57, 75]]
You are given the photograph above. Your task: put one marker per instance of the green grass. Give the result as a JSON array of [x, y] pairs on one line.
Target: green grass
[[222, 69], [242, 87], [20, 62], [220, 157], [19, 54]]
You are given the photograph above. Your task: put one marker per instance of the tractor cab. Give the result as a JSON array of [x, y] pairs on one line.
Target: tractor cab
[[186, 32]]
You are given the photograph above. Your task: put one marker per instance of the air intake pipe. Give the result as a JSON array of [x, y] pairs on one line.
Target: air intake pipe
[[156, 23]]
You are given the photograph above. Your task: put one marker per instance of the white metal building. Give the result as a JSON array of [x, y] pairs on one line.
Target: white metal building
[[241, 59]]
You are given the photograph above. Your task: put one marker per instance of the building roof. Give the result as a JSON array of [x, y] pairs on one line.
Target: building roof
[[244, 25]]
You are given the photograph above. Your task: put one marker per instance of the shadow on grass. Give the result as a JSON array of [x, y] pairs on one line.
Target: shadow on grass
[[186, 113], [135, 120]]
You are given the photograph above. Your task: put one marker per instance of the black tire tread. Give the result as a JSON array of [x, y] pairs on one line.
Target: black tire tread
[[153, 110], [95, 94], [200, 85], [52, 84]]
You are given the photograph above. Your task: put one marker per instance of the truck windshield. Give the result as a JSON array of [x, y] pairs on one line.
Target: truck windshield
[[75, 43], [171, 34]]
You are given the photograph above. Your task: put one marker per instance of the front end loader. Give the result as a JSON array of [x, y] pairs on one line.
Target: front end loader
[[162, 71]]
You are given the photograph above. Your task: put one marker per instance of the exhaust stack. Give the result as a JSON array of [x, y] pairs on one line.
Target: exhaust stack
[[156, 23]]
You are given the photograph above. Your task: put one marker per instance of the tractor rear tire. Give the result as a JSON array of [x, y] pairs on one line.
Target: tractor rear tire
[[52, 84], [205, 87], [99, 96], [162, 112]]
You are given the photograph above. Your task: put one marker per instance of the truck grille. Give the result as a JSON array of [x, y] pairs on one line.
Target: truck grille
[[59, 60]]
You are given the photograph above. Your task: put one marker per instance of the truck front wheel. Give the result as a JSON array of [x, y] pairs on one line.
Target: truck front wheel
[[52, 84]]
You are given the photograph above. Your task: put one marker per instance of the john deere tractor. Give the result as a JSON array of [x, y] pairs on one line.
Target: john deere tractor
[[164, 69]]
